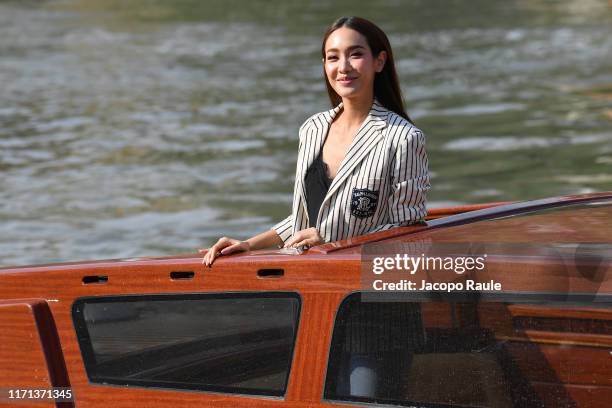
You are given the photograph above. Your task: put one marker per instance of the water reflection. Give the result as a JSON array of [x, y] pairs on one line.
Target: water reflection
[[130, 131]]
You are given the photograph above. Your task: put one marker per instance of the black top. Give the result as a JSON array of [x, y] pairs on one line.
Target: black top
[[317, 183]]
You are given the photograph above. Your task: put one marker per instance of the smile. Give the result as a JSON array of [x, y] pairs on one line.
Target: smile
[[346, 80]]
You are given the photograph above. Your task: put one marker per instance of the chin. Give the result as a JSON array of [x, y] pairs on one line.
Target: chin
[[347, 93], [350, 96]]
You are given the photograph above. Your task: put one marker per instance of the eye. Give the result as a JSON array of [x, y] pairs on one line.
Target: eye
[[332, 58], [357, 54]]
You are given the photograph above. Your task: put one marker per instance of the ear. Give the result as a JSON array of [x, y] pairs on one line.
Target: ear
[[380, 61]]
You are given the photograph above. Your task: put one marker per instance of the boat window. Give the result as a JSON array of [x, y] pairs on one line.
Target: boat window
[[231, 343], [492, 350]]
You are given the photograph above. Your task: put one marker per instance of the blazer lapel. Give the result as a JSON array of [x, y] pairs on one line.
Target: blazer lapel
[[367, 137]]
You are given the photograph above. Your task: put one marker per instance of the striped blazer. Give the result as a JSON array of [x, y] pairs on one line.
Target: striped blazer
[[381, 182]]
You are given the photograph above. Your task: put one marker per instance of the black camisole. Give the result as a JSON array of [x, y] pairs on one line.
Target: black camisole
[[317, 184]]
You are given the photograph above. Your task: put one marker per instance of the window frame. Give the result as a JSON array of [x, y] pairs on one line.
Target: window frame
[[88, 356], [428, 296]]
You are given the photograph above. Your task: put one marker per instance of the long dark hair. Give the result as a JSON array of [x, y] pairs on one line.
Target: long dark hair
[[386, 84]]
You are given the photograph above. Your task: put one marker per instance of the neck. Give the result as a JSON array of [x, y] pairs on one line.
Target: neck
[[355, 111]]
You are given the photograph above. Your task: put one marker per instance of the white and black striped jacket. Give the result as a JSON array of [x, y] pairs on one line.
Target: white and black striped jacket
[[381, 183]]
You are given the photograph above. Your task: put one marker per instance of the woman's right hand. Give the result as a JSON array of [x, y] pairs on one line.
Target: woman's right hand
[[224, 246]]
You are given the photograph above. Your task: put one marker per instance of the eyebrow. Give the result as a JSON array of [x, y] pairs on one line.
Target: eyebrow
[[351, 48]]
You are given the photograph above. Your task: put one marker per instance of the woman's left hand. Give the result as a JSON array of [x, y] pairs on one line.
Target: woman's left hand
[[308, 237]]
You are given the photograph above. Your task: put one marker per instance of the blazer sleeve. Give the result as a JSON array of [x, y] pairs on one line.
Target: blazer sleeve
[[410, 181], [284, 228]]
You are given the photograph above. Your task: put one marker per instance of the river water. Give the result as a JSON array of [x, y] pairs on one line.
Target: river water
[[146, 128]]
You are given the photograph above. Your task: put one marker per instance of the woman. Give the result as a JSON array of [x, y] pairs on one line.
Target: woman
[[362, 166]]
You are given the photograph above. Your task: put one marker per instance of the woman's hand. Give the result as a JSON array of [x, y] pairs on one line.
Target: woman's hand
[[308, 237], [224, 246]]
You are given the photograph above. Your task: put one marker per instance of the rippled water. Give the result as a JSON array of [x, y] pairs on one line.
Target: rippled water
[[149, 128]]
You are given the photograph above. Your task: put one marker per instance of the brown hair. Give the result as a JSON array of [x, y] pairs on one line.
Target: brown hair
[[386, 84]]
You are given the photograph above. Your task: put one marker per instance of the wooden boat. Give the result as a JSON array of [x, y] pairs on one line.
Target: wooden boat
[[271, 328]]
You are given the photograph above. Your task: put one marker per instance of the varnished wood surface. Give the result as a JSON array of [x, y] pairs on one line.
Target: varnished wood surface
[[322, 279], [310, 355], [321, 294], [435, 213], [22, 359]]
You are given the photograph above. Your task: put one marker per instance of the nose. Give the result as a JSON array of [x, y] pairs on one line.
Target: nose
[[344, 65]]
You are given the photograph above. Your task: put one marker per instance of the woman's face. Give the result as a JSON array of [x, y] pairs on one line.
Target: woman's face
[[349, 64]]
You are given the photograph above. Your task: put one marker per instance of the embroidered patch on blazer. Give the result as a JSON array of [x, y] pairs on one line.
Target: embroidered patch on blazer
[[363, 202]]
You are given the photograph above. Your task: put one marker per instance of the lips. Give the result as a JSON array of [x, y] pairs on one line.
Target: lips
[[346, 80]]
